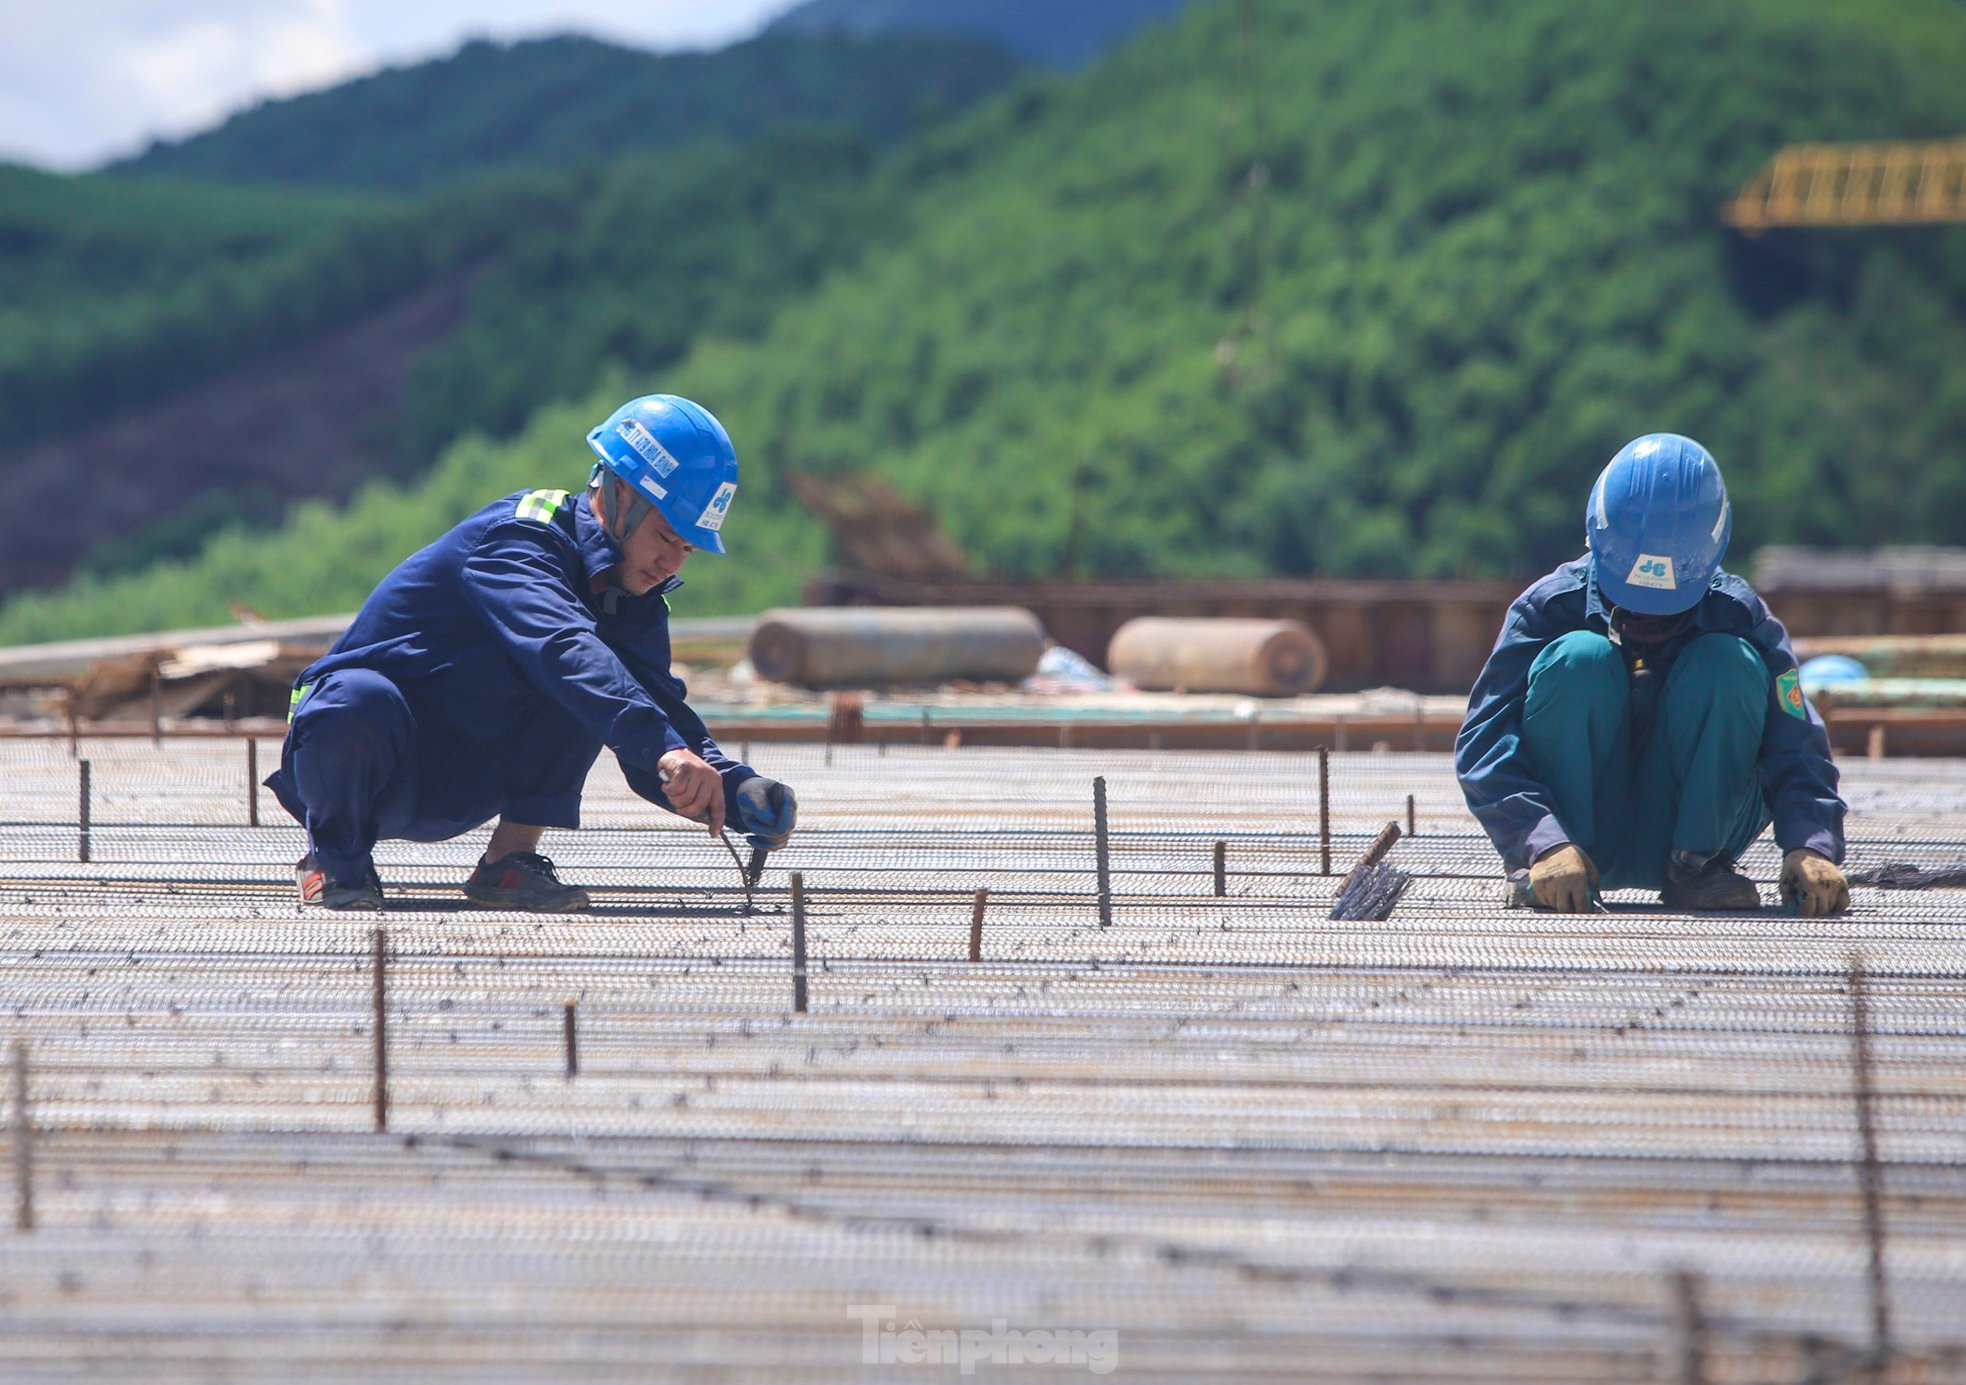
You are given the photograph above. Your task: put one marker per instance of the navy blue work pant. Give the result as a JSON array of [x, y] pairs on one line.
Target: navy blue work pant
[[361, 765], [1691, 782]]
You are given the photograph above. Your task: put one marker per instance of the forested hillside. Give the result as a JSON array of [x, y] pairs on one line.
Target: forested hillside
[[1064, 34], [1373, 287], [570, 102]]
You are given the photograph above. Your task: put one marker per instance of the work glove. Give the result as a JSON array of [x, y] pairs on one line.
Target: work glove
[[1564, 879], [1813, 885], [767, 811]]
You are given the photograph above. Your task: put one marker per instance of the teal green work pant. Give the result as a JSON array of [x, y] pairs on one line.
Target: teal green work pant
[[1691, 783]]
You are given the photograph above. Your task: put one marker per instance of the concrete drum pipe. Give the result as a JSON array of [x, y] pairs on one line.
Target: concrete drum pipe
[[1265, 658], [875, 646]]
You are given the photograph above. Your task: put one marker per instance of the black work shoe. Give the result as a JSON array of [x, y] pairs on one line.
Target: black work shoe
[[523, 880], [317, 887], [1713, 886]]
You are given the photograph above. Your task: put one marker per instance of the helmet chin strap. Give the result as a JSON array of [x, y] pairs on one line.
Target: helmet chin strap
[[618, 525]]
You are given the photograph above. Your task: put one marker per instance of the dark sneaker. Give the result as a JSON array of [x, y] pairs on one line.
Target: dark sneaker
[[317, 887], [1713, 886], [523, 880]]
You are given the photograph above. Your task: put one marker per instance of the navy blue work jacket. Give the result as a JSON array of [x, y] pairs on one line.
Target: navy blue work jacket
[[1798, 778], [501, 612]]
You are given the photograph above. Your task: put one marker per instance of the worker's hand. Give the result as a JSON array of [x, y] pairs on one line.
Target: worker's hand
[[693, 789], [1813, 885], [1564, 879], [766, 810]]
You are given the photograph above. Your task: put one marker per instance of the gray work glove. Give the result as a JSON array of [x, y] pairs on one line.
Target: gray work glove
[[766, 811], [1563, 879], [1813, 885]]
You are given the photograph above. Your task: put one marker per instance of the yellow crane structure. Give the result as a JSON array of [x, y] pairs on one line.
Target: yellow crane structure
[[1883, 183]]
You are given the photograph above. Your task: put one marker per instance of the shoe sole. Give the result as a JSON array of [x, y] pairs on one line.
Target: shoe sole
[[574, 904], [1743, 906]]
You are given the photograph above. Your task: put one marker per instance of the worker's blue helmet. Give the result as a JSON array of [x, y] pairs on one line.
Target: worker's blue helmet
[[1657, 524], [677, 455]]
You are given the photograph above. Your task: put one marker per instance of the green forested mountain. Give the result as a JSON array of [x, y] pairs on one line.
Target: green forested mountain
[[1064, 34], [363, 352], [112, 293], [571, 102], [1375, 288]]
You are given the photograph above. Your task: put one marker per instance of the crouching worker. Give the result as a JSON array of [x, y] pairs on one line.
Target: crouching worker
[[482, 677], [1640, 720]]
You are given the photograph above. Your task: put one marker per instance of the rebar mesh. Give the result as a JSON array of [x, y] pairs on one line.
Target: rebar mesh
[[1462, 1142]]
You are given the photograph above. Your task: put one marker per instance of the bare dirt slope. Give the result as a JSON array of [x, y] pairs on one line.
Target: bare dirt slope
[[303, 422]]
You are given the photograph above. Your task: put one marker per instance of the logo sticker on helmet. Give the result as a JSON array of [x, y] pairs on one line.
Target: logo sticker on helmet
[[644, 443], [1651, 570], [648, 483], [713, 514]]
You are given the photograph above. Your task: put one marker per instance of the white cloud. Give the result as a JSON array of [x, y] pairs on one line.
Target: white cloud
[[89, 80]]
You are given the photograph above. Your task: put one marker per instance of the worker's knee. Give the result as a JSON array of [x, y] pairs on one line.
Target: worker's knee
[[355, 713], [1582, 666], [1723, 672]]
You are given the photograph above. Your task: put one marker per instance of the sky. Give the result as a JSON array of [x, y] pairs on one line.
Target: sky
[[86, 81]]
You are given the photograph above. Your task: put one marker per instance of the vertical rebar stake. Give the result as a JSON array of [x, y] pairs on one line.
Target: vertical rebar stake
[[74, 727], [82, 810], [1100, 850], [798, 942], [156, 708], [381, 948], [1221, 869], [573, 1042], [1871, 1172], [1409, 817], [1419, 727], [23, 1144], [976, 925], [925, 722], [1689, 1329], [1324, 809], [1256, 729], [252, 781]]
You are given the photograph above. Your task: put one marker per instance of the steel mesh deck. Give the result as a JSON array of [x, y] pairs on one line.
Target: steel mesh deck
[[1462, 1143]]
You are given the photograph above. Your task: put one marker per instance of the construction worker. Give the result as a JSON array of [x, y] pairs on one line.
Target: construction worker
[[1640, 720], [483, 676]]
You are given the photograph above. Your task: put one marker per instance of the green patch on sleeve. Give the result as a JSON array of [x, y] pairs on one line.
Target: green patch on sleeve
[[1788, 688]]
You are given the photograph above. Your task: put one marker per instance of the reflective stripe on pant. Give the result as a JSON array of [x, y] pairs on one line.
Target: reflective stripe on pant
[[1691, 783], [362, 763]]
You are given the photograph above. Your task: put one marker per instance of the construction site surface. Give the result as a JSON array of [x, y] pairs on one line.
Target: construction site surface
[[1219, 1137]]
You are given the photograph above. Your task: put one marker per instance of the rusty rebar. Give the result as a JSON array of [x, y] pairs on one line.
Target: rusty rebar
[[1101, 852], [1411, 829], [1689, 1330], [1870, 1171], [1221, 869], [571, 1030], [1324, 810], [380, 945], [82, 810], [798, 942], [981, 903], [23, 1130], [1372, 855]]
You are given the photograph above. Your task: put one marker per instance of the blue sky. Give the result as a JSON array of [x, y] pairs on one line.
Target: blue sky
[[83, 81]]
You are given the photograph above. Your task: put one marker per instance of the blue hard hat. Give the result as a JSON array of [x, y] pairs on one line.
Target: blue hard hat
[[1657, 524], [1825, 670], [677, 455]]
